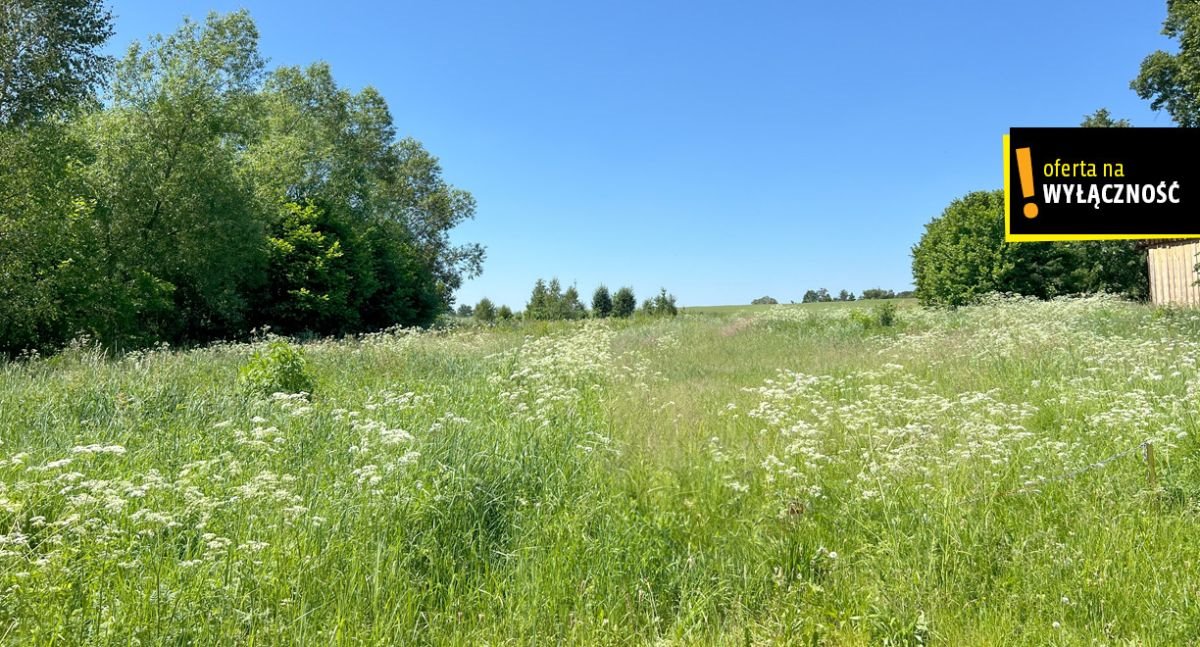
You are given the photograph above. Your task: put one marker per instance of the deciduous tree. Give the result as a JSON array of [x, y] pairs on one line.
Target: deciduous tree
[[1171, 81], [49, 56]]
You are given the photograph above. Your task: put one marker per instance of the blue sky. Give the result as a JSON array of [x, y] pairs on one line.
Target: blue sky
[[722, 150]]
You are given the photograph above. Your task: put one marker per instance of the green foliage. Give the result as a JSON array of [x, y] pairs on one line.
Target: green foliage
[[49, 61], [504, 313], [881, 315], [340, 150], [1102, 119], [572, 307], [624, 303], [602, 304], [312, 274], [1171, 81], [538, 305], [279, 368], [762, 301], [845, 295], [817, 296], [485, 310], [878, 293], [548, 302], [963, 256], [662, 305], [166, 175], [465, 311], [207, 197]]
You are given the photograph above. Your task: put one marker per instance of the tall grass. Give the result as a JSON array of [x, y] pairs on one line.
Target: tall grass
[[784, 475]]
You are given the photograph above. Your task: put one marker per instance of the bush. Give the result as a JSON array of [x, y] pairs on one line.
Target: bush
[[764, 301], [280, 367], [882, 315], [504, 313]]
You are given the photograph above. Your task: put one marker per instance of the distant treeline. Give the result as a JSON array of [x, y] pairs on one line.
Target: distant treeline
[[821, 295], [206, 196], [549, 302]]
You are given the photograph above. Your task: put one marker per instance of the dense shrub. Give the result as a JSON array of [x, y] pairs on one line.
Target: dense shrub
[[280, 367], [962, 256], [882, 315]]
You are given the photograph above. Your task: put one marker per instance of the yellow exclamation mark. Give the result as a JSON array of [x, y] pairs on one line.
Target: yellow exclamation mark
[[1025, 170]]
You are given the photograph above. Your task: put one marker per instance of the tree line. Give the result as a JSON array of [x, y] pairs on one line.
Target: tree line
[[821, 295], [550, 302], [186, 193]]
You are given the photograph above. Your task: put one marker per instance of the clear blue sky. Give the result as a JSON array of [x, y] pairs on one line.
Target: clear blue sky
[[722, 150]]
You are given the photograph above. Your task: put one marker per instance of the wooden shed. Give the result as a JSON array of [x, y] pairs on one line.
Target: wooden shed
[[1173, 272]]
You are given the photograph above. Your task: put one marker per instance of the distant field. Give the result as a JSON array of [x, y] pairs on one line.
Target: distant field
[[764, 476]]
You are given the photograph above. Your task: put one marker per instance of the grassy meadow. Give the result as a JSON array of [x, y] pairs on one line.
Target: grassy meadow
[[776, 475]]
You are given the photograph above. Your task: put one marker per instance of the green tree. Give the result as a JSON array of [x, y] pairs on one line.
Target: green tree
[[572, 307], [172, 205], [962, 256], [1169, 81], [539, 302], [201, 189], [763, 301], [624, 303], [817, 296], [322, 144], [504, 313], [602, 304], [555, 305], [1103, 119], [49, 58], [313, 263], [485, 310], [662, 305]]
